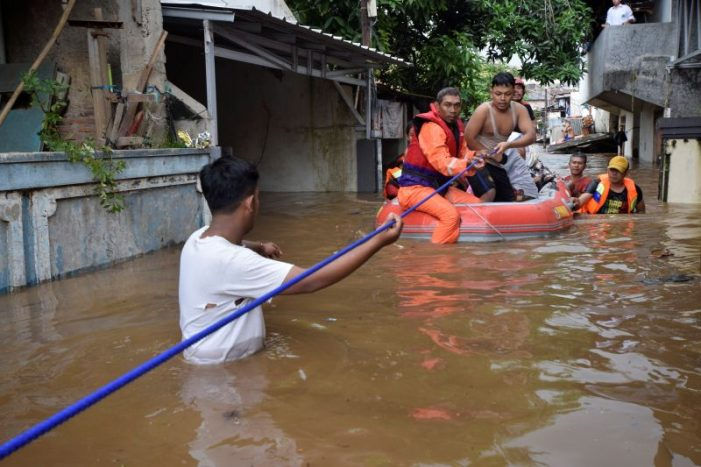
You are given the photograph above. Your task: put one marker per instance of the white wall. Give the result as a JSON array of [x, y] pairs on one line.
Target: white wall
[[629, 125], [684, 171], [295, 128]]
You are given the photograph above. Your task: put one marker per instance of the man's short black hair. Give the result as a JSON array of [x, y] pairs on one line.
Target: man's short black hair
[[580, 155], [503, 78], [226, 182], [450, 91]]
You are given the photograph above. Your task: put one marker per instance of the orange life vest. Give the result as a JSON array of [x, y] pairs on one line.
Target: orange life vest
[[392, 183], [602, 192], [417, 169]]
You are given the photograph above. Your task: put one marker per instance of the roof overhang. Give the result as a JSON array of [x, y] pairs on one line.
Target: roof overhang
[[253, 36]]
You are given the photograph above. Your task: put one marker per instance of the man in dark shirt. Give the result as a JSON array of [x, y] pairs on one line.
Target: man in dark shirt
[[613, 192]]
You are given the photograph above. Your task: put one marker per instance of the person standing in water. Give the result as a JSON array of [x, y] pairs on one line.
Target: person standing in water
[[613, 192], [576, 181], [221, 272]]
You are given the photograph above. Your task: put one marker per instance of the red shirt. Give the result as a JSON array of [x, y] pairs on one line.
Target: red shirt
[[580, 186]]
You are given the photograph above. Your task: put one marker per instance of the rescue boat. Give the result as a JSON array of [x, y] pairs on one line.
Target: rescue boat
[[486, 222]]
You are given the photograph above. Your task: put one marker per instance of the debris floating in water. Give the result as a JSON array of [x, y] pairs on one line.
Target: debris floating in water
[[661, 252], [673, 278], [302, 374]]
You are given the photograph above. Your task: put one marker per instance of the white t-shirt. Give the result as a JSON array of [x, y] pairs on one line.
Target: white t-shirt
[[215, 272], [618, 15]]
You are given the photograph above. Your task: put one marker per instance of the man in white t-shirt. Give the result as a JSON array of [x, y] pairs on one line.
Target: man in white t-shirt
[[220, 272], [619, 14]]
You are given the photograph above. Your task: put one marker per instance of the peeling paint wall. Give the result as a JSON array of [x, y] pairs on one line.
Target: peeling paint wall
[[49, 231], [83, 236], [684, 171], [296, 128]]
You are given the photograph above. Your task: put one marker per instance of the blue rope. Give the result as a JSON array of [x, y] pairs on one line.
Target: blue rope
[[42, 427]]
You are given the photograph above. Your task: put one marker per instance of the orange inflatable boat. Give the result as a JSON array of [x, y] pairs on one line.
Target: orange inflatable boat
[[487, 222]]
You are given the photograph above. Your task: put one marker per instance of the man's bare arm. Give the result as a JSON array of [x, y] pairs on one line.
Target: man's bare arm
[[525, 124], [474, 127]]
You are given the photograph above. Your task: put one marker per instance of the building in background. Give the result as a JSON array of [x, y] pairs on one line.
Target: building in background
[[648, 76]]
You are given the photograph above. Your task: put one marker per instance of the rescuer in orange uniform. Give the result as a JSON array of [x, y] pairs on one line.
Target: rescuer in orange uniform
[[437, 152]]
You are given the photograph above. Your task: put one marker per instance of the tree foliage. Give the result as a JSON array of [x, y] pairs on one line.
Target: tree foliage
[[456, 42], [547, 35]]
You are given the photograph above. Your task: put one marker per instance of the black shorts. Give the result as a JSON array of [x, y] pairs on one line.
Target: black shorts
[[492, 177], [481, 182]]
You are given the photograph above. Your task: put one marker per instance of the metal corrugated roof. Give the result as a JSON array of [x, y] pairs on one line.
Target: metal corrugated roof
[[308, 32], [277, 8]]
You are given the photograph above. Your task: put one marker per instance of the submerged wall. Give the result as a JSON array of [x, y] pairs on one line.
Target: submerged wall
[[52, 224]]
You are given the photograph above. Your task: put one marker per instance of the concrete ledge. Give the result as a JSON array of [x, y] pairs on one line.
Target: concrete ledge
[[629, 62], [26, 171], [52, 224]]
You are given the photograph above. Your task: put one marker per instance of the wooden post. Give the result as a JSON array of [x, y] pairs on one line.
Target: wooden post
[[130, 109], [39, 59], [379, 179], [104, 66], [368, 104], [365, 23], [97, 59], [211, 78]]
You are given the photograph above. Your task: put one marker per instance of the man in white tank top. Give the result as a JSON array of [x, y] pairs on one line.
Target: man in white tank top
[[489, 128]]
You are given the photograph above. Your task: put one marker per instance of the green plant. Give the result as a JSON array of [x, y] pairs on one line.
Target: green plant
[[46, 93], [452, 42]]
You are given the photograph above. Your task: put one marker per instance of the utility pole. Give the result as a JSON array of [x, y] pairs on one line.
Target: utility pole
[[365, 23], [545, 120], [368, 10]]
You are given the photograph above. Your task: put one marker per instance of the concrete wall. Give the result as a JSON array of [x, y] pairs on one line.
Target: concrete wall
[[685, 100], [29, 24], [51, 223], [646, 139], [662, 12], [295, 128], [628, 63]]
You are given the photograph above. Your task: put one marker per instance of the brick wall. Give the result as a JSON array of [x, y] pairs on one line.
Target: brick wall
[[78, 127]]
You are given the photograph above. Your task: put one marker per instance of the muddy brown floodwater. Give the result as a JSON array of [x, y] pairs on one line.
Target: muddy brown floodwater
[[579, 349]]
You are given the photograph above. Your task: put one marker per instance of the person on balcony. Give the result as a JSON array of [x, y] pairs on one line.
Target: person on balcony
[[619, 14]]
